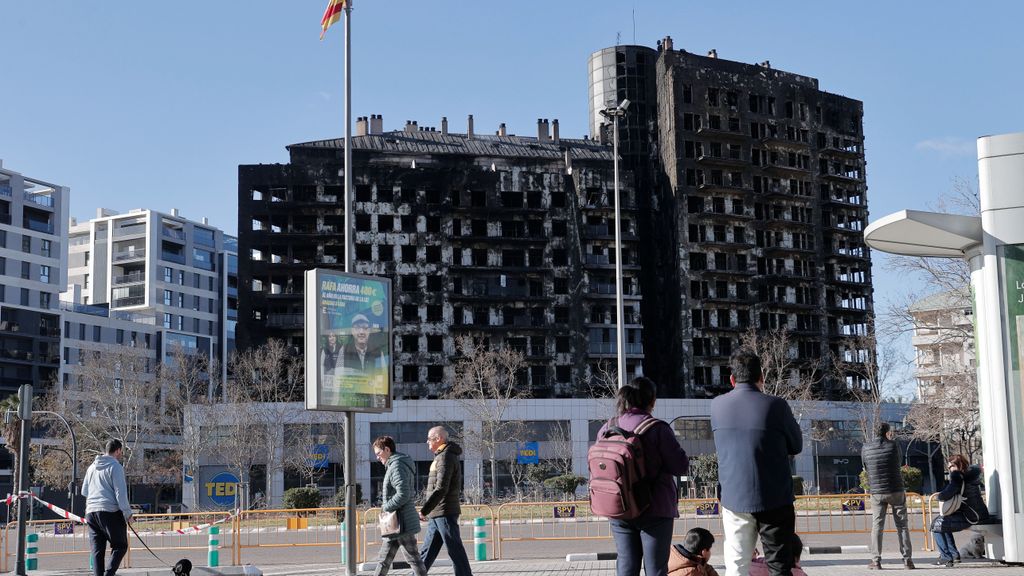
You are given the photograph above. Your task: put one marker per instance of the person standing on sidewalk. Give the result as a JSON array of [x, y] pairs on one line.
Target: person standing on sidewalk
[[107, 511], [441, 508], [647, 539], [755, 435], [881, 458], [399, 478]]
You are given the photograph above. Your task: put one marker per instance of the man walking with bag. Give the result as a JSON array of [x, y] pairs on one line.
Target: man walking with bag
[[441, 508], [106, 508], [881, 458]]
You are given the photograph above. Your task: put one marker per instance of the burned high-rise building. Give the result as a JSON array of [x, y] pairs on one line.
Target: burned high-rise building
[[494, 236], [743, 197], [752, 203]]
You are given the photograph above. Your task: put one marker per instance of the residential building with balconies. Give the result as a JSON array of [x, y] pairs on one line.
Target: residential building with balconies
[[33, 226]]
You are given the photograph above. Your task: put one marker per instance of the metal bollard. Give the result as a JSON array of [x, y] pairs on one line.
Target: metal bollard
[[342, 537], [31, 549], [480, 538], [213, 554]]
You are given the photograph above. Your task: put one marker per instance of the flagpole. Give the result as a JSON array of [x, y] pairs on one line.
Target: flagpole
[[350, 416]]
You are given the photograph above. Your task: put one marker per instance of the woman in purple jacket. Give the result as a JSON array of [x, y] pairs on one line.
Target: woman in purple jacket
[[648, 537]]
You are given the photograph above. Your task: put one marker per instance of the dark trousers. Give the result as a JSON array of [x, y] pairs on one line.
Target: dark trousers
[[445, 530], [107, 527], [647, 539]]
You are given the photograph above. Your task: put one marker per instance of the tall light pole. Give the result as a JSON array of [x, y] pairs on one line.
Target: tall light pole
[[614, 114]]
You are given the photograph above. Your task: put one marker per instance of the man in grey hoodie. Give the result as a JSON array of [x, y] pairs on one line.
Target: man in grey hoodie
[[106, 508]]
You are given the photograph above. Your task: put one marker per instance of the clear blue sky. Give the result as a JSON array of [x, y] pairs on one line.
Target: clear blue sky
[[155, 104]]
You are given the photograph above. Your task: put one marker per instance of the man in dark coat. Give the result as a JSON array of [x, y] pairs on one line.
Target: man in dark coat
[[755, 435], [441, 508], [881, 459]]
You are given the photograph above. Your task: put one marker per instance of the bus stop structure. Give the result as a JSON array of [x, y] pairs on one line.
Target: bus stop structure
[[993, 245]]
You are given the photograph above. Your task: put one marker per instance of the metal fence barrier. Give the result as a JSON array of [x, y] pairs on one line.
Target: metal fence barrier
[[64, 537], [515, 522], [370, 538]]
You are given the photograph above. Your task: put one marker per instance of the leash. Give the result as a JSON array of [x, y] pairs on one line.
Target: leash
[[147, 545]]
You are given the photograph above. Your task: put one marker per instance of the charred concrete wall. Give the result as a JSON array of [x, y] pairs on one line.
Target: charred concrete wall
[[513, 245], [769, 176]]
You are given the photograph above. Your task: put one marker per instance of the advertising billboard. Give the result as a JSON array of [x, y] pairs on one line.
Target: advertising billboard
[[348, 342]]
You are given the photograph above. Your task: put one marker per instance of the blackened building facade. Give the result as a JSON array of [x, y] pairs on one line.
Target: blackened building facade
[[498, 236], [744, 199], [751, 213]]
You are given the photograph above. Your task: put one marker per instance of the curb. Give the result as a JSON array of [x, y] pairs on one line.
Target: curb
[[834, 549], [398, 565], [591, 557]]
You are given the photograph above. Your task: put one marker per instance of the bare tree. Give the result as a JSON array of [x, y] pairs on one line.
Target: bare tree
[[560, 448], [603, 384], [785, 375], [265, 378], [115, 394], [487, 382], [303, 440], [187, 381], [867, 366], [947, 413]]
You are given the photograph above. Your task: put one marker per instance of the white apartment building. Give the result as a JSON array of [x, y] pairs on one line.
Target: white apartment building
[[156, 268], [943, 340]]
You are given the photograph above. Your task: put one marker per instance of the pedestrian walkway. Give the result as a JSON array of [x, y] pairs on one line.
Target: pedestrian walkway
[[830, 564]]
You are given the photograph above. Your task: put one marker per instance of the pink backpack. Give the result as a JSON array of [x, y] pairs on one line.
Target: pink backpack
[[619, 487]]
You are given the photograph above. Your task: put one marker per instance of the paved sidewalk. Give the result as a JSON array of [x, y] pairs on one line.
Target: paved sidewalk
[[816, 564]]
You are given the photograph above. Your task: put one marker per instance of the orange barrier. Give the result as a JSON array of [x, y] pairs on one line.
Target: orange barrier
[[371, 537], [56, 541]]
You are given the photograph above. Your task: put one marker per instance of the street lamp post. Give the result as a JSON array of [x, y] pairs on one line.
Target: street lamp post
[[614, 114]]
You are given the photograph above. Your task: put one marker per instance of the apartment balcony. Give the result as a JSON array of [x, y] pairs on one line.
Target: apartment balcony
[[286, 321], [728, 161], [43, 200], [130, 301], [603, 290], [134, 278], [611, 349], [130, 230], [174, 234], [130, 256], [6, 190]]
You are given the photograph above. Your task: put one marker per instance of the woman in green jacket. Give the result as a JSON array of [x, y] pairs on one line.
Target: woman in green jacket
[[399, 477]]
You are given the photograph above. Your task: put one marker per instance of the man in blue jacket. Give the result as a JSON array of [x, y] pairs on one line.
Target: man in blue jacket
[[755, 435], [106, 508]]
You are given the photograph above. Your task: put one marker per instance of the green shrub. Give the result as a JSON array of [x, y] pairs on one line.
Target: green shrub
[[302, 498], [913, 478], [566, 483], [798, 486]]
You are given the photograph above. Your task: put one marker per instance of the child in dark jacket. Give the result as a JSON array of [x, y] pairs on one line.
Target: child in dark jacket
[[691, 557]]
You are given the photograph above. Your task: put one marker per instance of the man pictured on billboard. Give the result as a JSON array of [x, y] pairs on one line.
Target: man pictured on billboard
[[357, 356]]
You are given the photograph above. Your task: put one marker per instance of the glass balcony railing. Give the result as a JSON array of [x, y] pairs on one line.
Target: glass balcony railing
[[39, 200]]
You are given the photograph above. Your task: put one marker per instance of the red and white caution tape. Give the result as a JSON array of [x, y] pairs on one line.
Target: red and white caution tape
[[12, 498], [60, 511], [69, 516]]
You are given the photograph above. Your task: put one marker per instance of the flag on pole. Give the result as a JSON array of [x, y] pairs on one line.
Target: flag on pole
[[331, 15]]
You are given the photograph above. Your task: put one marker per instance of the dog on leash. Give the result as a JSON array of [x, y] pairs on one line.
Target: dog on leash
[[182, 568]]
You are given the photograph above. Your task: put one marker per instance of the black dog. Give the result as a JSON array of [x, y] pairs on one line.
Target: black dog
[[182, 568]]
